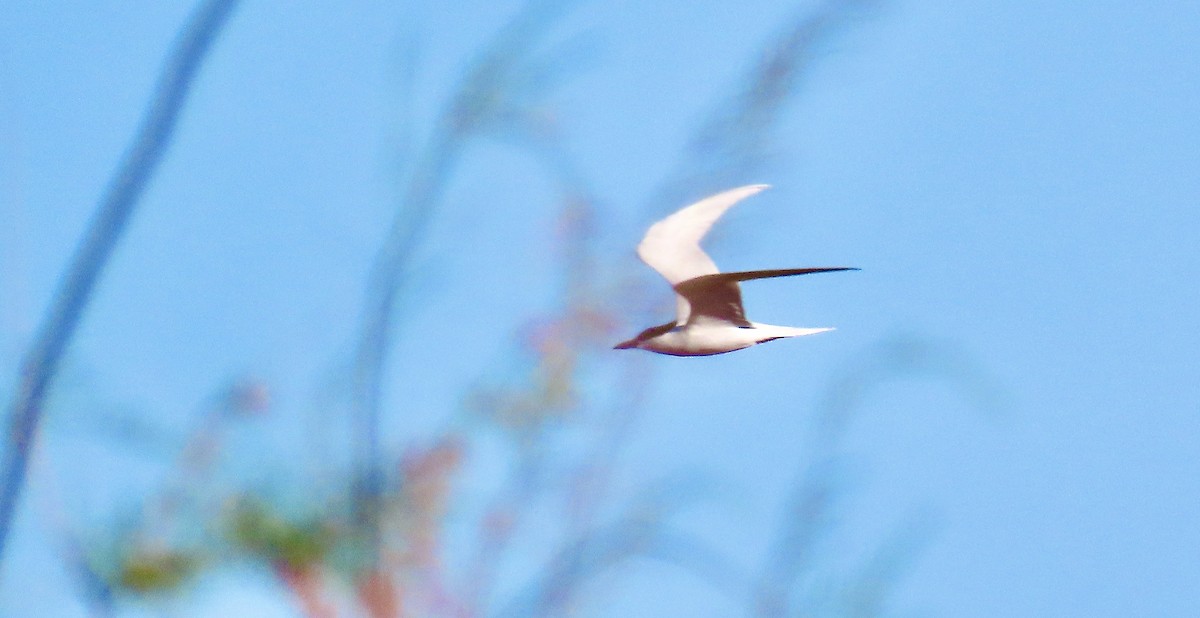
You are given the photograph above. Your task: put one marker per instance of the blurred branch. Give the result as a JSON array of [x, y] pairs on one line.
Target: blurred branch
[[98, 593], [899, 356], [735, 141], [618, 427], [864, 596], [635, 536], [558, 344], [808, 511], [500, 522], [92, 255], [806, 517], [496, 95]]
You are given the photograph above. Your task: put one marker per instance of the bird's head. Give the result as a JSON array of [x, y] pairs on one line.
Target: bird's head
[[644, 336]]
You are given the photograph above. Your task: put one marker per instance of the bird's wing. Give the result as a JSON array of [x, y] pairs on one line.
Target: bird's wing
[[718, 296], [672, 246]]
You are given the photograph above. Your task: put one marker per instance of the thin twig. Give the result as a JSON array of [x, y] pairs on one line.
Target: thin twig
[[93, 253]]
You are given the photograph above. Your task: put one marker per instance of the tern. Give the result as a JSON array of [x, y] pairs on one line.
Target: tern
[[709, 318]]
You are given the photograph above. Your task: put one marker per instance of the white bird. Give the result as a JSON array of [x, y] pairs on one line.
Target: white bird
[[709, 315]]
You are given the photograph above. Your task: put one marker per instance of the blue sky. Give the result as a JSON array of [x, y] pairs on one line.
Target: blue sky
[[1018, 183]]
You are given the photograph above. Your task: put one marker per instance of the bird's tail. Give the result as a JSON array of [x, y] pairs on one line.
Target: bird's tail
[[770, 331]]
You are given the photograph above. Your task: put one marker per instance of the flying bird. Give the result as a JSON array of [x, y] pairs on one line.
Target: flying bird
[[709, 318]]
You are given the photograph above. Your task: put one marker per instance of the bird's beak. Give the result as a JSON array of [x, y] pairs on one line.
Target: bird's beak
[[625, 345]]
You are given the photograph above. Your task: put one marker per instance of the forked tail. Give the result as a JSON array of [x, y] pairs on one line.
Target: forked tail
[[770, 331]]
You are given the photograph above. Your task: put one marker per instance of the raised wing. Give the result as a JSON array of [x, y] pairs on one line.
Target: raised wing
[[718, 296], [672, 246]]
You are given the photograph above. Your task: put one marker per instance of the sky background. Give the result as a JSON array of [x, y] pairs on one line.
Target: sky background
[[1018, 181]]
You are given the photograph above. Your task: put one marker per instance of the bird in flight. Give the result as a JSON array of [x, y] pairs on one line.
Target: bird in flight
[[709, 318]]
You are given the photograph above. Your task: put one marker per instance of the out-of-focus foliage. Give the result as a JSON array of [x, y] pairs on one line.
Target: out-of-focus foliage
[[274, 539], [156, 571]]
